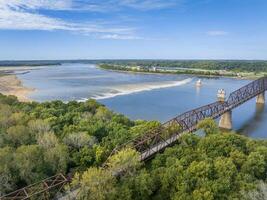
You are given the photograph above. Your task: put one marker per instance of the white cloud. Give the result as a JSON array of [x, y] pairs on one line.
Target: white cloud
[[37, 4], [23, 15], [26, 15], [217, 33], [108, 5], [148, 4], [93, 5], [120, 37]]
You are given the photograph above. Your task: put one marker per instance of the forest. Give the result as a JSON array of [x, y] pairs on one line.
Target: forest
[[175, 70], [218, 166], [231, 65], [38, 140]]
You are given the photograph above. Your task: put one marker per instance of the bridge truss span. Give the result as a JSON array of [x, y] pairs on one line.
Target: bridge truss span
[[247, 92], [157, 140], [38, 190]]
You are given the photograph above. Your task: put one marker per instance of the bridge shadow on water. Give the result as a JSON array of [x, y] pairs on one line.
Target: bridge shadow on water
[[252, 124]]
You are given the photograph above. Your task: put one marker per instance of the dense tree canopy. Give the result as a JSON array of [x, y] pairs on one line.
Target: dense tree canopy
[[218, 166], [233, 65], [38, 140]]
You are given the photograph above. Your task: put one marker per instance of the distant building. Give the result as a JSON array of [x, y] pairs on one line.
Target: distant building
[[136, 68]]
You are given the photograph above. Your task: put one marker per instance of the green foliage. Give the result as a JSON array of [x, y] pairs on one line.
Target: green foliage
[[218, 166], [172, 129], [38, 140], [6, 170], [209, 126], [95, 184], [30, 163], [259, 193], [79, 140], [127, 161], [18, 135], [143, 127], [233, 65]]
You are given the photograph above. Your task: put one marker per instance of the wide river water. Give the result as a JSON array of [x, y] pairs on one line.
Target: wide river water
[[142, 96]]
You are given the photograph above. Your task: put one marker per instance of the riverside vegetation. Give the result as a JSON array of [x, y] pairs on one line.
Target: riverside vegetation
[[38, 140], [232, 68]]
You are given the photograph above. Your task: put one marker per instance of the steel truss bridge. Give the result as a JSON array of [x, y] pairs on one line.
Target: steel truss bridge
[[155, 140]]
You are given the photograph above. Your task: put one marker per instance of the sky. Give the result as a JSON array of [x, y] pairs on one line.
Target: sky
[[133, 29]]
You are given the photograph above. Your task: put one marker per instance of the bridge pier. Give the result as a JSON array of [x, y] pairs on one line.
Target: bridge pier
[[226, 119], [260, 99]]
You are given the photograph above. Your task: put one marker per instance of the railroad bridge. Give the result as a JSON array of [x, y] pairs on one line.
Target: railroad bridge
[[157, 140]]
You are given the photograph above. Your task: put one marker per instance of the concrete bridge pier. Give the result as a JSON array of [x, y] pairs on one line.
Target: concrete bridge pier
[[260, 99], [226, 119]]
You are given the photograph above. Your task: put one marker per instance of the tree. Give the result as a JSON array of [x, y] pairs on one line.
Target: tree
[[126, 161], [95, 184], [142, 127], [18, 118], [255, 165], [103, 113], [100, 154], [5, 113], [84, 157], [139, 187], [48, 140], [117, 135], [56, 159], [91, 105], [7, 179], [173, 128], [19, 135], [30, 163], [202, 194], [238, 158], [143, 186], [9, 100], [209, 126], [225, 174], [79, 140], [260, 193], [39, 126]]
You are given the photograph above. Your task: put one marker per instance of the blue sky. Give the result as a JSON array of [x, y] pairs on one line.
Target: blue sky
[[133, 29]]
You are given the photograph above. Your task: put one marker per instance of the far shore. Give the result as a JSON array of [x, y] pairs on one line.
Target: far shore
[[10, 84], [247, 77], [19, 68]]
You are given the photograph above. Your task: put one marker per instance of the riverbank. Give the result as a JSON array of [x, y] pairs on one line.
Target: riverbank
[[11, 85], [189, 71]]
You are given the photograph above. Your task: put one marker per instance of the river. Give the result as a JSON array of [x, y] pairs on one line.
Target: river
[[142, 96]]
